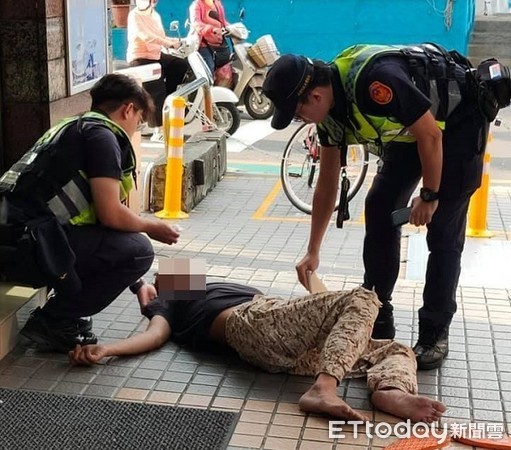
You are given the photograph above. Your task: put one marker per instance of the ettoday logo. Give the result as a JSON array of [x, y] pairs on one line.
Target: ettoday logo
[[384, 430]]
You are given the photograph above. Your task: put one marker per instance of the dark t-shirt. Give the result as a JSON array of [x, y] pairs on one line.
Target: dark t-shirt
[[190, 320], [95, 149]]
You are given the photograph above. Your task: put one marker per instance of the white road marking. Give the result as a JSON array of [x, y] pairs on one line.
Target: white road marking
[[246, 135], [149, 144]]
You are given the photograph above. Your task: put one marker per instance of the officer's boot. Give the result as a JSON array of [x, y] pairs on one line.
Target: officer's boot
[[384, 324], [432, 346]]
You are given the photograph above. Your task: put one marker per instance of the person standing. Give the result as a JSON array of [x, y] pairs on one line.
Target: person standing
[[146, 39], [417, 107]]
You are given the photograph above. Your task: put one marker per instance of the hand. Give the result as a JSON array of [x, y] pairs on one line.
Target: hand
[[309, 262], [87, 354], [172, 43], [218, 32], [145, 295], [422, 212], [162, 232]]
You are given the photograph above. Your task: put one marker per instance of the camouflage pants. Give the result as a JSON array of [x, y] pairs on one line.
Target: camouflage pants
[[329, 332]]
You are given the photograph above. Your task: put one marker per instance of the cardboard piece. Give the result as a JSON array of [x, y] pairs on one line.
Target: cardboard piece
[[315, 283]]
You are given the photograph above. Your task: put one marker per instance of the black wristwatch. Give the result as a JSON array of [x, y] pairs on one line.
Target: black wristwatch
[[427, 195], [135, 287]]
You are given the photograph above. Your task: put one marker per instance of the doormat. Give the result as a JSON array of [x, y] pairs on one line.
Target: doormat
[[36, 420]]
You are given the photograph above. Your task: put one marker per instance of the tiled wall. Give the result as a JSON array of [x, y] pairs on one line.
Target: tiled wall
[[32, 73]]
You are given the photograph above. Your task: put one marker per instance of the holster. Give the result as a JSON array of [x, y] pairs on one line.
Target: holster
[[38, 254]]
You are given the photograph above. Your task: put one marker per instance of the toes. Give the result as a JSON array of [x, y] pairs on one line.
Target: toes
[[439, 406]]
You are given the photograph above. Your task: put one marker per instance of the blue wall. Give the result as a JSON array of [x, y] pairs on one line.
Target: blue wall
[[321, 28]]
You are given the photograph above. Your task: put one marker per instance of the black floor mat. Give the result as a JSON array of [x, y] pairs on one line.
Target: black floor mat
[[35, 420]]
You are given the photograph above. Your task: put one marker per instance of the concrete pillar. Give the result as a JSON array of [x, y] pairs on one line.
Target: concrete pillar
[[32, 74]]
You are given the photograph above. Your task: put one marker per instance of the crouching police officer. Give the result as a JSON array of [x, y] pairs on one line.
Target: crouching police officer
[[420, 110], [78, 175]]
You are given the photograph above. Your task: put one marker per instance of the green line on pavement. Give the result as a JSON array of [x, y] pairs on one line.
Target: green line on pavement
[[253, 168]]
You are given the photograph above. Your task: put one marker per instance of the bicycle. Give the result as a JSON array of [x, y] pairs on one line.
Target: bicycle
[[299, 168]]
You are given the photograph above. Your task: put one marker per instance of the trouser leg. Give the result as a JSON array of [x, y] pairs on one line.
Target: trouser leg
[[107, 262], [446, 239], [174, 70], [317, 333], [388, 365], [207, 54], [392, 188], [156, 90]]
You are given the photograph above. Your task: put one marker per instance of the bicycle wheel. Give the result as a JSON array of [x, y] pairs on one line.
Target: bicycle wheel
[[299, 169]]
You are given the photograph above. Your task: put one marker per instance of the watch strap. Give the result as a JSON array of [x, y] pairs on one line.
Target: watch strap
[[135, 287]]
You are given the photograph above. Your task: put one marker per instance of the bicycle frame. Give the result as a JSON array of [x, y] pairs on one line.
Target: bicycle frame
[[300, 166]]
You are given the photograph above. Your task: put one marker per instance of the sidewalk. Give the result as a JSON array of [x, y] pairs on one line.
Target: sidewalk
[[247, 237]]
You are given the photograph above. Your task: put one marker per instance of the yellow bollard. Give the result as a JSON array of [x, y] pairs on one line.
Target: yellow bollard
[[478, 208], [173, 134]]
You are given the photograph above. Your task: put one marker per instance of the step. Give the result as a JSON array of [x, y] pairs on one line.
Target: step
[[12, 299], [492, 37], [494, 23]]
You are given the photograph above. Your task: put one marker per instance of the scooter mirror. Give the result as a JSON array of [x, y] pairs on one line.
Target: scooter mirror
[[242, 13], [174, 25]]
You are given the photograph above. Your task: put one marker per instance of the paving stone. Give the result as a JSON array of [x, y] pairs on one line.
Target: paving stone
[[201, 389], [170, 386], [232, 392], [485, 394]]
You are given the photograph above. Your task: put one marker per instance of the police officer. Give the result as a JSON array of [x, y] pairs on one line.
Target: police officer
[[80, 172], [416, 108]]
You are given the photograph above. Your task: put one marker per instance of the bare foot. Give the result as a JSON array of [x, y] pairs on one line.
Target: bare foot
[[408, 406], [325, 401]]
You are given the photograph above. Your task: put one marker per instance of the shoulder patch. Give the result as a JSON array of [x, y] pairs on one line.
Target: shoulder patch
[[380, 93]]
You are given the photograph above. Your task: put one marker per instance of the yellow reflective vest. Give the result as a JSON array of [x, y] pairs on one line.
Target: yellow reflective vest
[[374, 131], [69, 200]]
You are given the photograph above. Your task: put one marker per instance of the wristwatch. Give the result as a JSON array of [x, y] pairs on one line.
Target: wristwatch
[[427, 195], [135, 287]]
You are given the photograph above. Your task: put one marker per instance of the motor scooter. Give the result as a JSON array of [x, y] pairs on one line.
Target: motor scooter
[[225, 113], [248, 77]]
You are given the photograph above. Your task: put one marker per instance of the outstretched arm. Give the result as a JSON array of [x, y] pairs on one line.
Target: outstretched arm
[[156, 334], [113, 214], [323, 205]]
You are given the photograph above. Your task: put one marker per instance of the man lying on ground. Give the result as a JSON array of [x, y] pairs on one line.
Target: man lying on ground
[[326, 335]]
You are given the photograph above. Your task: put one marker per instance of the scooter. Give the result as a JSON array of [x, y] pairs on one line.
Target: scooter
[[247, 76], [225, 113]]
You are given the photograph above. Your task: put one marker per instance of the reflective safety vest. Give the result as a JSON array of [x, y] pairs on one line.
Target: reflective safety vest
[[47, 173], [433, 70]]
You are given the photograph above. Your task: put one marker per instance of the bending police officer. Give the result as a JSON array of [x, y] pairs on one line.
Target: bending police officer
[[417, 109]]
